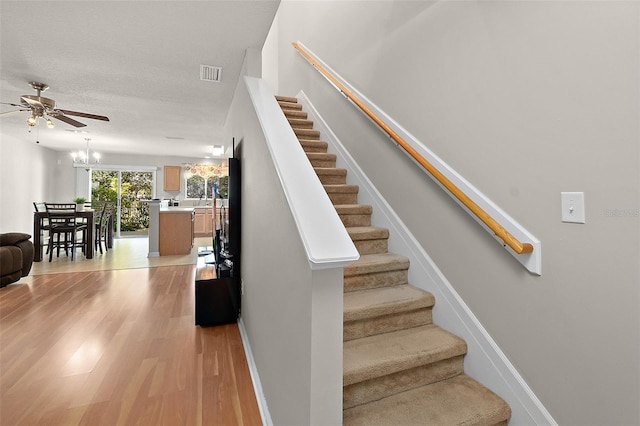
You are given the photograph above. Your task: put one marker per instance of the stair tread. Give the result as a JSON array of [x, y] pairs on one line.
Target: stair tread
[[310, 133], [354, 208], [459, 400], [321, 155], [341, 188], [383, 354], [358, 233], [369, 263], [300, 123], [289, 105], [314, 141], [374, 302], [294, 113], [330, 171], [286, 99]]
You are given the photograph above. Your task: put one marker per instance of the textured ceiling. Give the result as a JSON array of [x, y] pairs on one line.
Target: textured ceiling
[[137, 62]]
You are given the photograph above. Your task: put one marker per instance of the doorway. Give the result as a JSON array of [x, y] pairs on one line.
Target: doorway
[[126, 189]]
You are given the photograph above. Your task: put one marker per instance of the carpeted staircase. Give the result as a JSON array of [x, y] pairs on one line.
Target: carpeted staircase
[[399, 367]]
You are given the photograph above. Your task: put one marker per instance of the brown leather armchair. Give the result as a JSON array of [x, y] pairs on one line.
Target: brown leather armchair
[[16, 257]]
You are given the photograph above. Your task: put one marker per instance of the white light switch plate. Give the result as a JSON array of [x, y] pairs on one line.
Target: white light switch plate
[[572, 207]]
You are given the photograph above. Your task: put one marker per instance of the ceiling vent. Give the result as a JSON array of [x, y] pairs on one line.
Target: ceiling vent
[[210, 73]]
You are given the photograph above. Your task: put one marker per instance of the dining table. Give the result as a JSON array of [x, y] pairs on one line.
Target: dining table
[[88, 215]]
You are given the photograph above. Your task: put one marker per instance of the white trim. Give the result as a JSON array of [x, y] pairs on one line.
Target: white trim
[[531, 261], [325, 240], [117, 167], [255, 377], [484, 360]]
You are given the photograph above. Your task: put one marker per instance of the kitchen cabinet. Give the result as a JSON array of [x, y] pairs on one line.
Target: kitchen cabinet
[[203, 222], [176, 231], [172, 178]]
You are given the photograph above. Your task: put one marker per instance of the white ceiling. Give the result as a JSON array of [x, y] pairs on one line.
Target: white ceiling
[[137, 62]]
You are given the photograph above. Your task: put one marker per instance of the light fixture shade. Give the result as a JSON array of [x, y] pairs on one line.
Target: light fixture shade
[[83, 158], [31, 120], [217, 150]]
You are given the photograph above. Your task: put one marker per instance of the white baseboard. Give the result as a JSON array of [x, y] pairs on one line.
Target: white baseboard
[[255, 378], [484, 360]]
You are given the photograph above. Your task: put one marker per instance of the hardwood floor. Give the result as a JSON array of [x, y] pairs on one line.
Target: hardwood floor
[[118, 347]]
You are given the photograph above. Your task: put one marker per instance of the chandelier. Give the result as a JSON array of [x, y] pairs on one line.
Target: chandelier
[[83, 159]]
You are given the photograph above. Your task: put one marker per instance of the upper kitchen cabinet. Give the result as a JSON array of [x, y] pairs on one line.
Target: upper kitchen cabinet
[[172, 178]]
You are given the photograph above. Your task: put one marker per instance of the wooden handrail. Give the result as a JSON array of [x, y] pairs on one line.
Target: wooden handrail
[[484, 217]]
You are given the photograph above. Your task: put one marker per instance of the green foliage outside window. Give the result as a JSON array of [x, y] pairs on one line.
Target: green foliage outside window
[[197, 185], [136, 186]]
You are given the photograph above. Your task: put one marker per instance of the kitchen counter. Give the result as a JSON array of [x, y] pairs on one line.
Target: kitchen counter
[[177, 209]]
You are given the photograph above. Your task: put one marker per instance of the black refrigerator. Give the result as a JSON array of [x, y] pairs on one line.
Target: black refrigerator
[[218, 299]]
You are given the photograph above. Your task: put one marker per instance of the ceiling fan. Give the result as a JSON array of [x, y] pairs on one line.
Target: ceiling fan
[[45, 108]]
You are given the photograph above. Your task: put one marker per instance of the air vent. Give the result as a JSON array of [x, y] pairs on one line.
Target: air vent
[[210, 73]]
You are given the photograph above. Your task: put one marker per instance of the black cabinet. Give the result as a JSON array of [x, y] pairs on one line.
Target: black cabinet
[[217, 301]]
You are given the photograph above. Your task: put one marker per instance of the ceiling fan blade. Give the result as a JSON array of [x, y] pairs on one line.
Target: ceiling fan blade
[[14, 105], [68, 120], [3, 114], [84, 114]]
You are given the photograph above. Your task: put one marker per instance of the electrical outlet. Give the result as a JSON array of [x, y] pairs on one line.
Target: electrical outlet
[[572, 204], [241, 287]]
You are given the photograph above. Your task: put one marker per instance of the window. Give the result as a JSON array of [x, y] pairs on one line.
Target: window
[[200, 178], [198, 187]]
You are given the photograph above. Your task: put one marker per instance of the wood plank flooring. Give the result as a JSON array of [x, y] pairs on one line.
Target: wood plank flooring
[[118, 347]]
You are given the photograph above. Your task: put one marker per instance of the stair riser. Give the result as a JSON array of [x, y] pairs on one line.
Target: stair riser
[[294, 113], [350, 220], [301, 124], [371, 246], [290, 105], [333, 179], [307, 134], [325, 163], [315, 148], [386, 323], [381, 387], [375, 280], [343, 198]]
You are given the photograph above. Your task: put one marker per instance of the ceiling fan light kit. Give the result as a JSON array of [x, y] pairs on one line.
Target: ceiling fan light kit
[[45, 108]]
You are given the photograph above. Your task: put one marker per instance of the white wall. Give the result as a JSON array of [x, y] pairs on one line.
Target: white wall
[[25, 176], [525, 100], [270, 57]]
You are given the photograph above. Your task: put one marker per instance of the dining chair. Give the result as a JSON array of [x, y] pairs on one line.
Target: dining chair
[[44, 223], [64, 229], [102, 224]]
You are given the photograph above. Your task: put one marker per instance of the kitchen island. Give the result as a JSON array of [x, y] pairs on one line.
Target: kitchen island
[[170, 230]]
